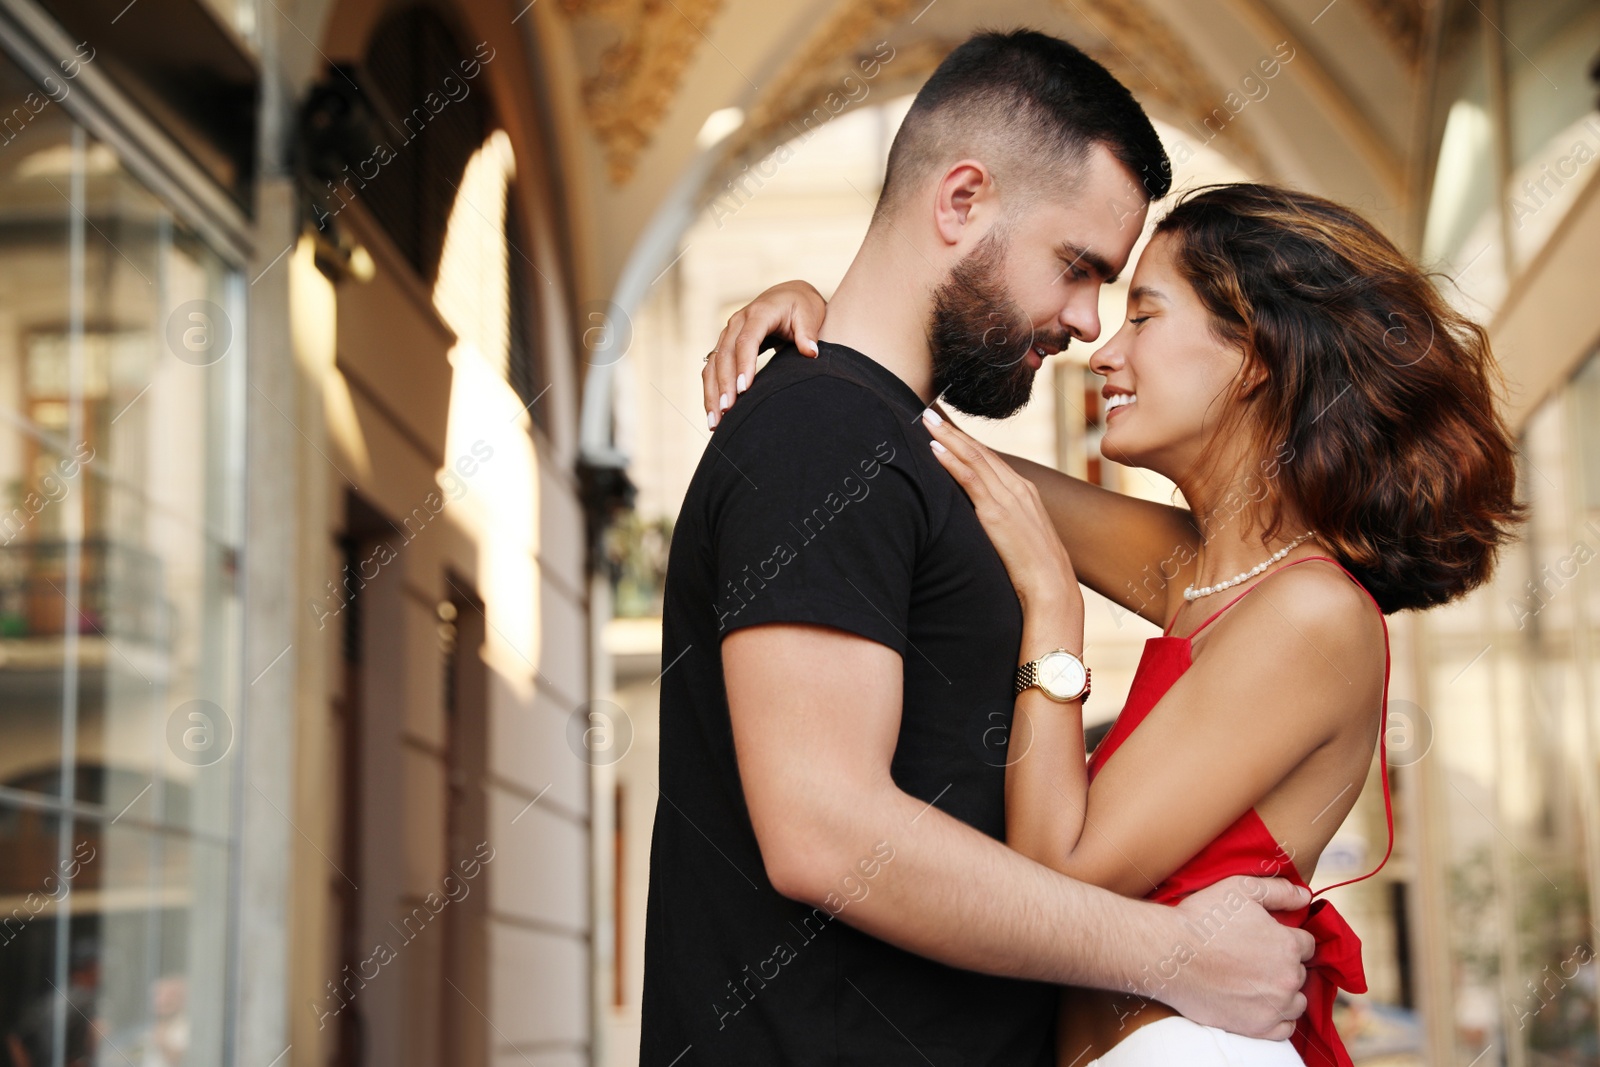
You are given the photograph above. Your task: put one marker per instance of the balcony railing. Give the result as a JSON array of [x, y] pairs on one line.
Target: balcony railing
[[121, 591]]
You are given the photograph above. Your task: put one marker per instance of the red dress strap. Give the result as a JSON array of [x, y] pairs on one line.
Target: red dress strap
[[1212, 617], [1383, 725], [1247, 592], [1383, 741]]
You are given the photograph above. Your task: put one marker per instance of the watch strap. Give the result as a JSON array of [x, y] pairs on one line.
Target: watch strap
[[1028, 676]]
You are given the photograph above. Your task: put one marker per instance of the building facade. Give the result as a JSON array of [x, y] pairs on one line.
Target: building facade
[[294, 608]]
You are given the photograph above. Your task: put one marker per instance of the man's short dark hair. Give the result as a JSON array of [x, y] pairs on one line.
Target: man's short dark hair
[[1031, 107]]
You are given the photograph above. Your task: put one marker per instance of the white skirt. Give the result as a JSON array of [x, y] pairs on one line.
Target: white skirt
[[1176, 1040]]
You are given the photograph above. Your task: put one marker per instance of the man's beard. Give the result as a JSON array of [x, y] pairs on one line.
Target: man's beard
[[979, 338]]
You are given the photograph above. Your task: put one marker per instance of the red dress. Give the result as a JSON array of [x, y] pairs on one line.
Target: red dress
[[1248, 847]]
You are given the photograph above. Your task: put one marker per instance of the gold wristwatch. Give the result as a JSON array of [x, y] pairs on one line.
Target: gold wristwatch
[[1059, 674]]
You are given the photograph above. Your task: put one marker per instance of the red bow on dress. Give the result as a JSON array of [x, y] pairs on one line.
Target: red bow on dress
[[1335, 965]]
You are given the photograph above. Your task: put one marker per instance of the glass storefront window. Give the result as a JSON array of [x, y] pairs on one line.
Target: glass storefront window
[[121, 360], [1513, 670]]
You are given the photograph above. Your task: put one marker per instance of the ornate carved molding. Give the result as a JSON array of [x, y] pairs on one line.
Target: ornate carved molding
[[820, 69], [1404, 22], [1165, 71], [816, 81], [632, 81]]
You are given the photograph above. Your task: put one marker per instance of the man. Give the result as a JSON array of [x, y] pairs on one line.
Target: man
[[828, 880]]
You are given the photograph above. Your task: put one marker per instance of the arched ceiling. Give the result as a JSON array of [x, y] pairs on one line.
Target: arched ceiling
[[1315, 94]]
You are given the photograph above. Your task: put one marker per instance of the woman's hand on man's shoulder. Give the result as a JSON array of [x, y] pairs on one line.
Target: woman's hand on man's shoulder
[[791, 310]]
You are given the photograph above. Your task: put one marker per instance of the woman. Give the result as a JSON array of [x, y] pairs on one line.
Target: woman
[[1330, 421]]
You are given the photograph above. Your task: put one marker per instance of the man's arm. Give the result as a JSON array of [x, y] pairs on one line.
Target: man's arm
[[815, 715]]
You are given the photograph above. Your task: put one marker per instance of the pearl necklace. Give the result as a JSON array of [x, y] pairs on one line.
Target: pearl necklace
[[1191, 593]]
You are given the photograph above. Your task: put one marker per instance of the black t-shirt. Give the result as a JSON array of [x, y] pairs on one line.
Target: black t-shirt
[[818, 500]]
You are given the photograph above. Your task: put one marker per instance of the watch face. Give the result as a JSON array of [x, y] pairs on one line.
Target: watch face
[[1060, 675]]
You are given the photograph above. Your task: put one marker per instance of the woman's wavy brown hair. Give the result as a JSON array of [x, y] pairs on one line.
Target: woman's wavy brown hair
[[1380, 394]]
